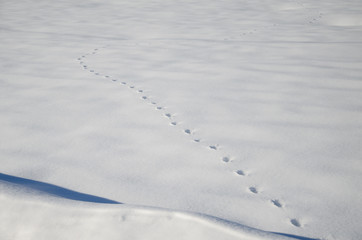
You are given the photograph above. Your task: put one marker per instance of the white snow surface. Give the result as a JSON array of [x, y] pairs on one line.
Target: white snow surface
[[180, 119]]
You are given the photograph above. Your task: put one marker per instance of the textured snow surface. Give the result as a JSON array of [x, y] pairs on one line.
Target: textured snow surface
[[180, 119]]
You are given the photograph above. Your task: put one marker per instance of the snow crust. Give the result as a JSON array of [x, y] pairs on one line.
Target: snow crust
[[205, 114]]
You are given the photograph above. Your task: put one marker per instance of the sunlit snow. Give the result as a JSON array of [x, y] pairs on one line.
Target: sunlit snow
[[180, 119]]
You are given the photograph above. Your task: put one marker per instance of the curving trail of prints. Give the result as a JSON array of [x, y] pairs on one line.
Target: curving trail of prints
[[313, 18]]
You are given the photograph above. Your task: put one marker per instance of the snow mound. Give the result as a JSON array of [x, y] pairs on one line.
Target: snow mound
[[34, 219]]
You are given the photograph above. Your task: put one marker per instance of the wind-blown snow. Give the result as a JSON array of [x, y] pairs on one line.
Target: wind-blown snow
[[205, 119]]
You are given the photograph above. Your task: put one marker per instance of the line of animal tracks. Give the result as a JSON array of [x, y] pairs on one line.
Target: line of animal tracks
[[255, 189]]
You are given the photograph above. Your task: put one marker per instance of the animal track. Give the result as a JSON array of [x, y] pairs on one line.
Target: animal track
[[144, 97], [173, 123], [295, 222], [213, 147], [187, 131], [253, 190], [277, 203], [168, 115], [240, 172], [226, 159]]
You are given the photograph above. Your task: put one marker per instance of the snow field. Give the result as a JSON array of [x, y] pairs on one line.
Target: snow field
[[248, 112]]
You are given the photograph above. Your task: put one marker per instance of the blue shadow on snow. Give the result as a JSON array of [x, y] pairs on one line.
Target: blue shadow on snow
[[295, 236], [54, 190]]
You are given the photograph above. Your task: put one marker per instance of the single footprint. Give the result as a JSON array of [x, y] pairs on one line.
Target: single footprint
[[277, 203], [158, 108], [106, 76], [187, 131], [240, 172], [173, 123], [168, 115], [197, 140], [144, 97], [131, 87], [213, 147], [114, 80], [253, 190], [154, 103], [124, 83], [226, 159], [140, 91], [91, 70], [96, 73], [295, 222]]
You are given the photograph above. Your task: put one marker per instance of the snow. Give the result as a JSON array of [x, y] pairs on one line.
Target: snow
[[206, 120], [121, 222]]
